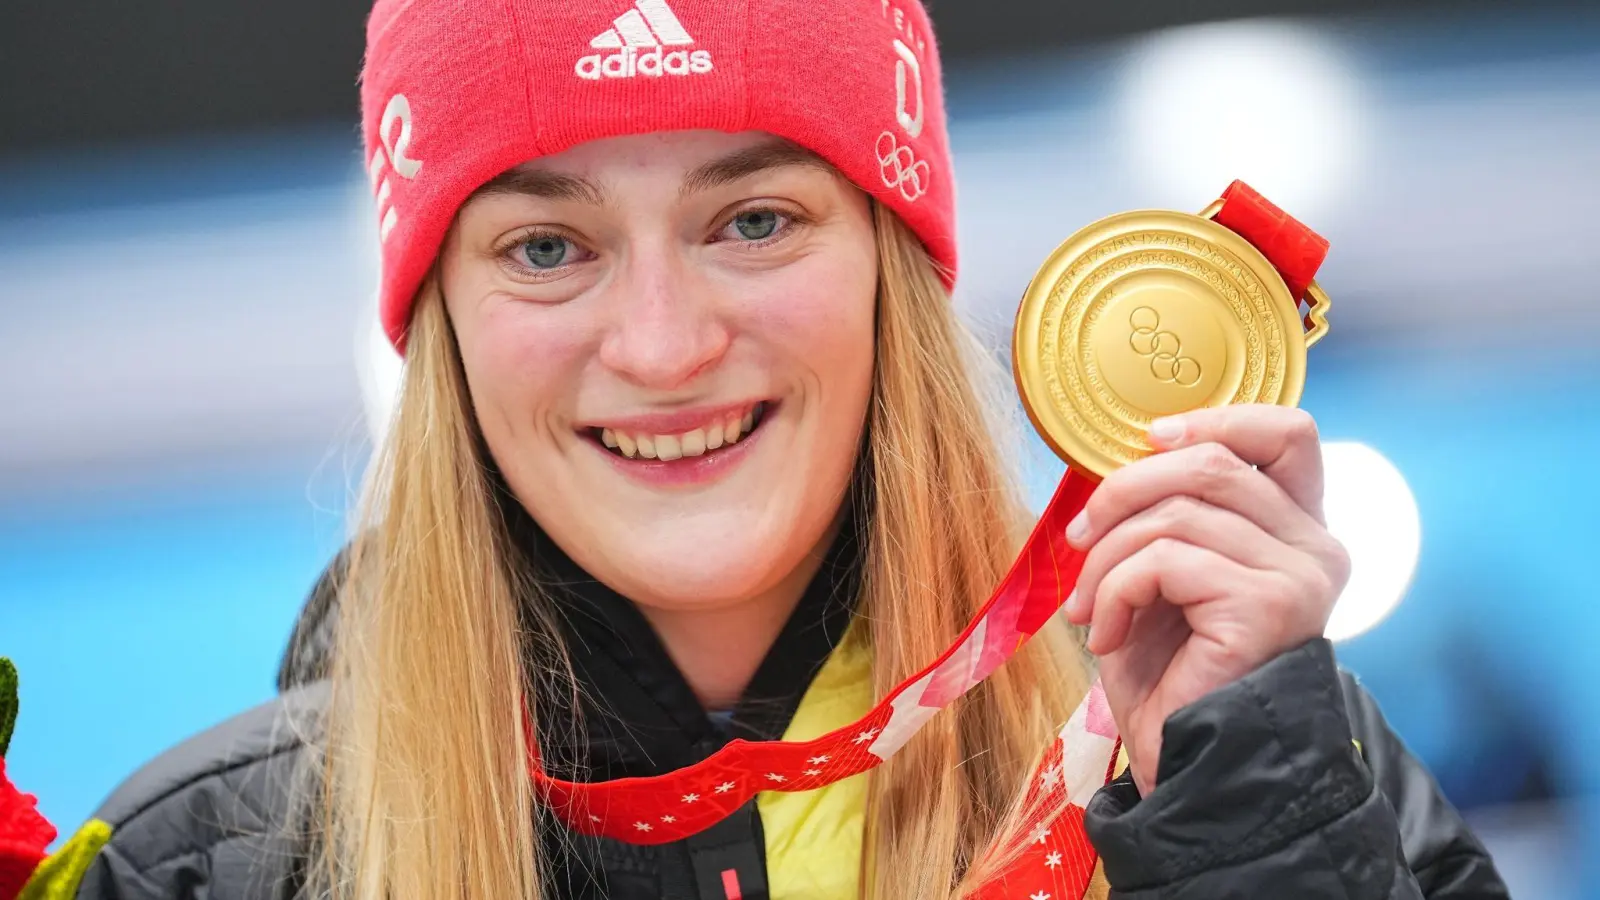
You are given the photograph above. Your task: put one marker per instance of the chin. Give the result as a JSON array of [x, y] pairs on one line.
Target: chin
[[699, 575]]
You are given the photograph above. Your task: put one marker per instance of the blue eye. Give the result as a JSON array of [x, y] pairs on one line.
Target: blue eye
[[756, 224], [546, 252]]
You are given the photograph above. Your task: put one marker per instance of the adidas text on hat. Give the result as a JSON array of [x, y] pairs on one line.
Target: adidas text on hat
[[640, 38]]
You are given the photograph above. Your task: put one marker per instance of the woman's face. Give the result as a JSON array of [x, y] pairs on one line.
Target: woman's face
[[669, 344]]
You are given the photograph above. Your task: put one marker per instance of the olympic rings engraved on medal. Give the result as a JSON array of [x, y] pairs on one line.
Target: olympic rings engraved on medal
[[1164, 349], [900, 168], [1090, 415]]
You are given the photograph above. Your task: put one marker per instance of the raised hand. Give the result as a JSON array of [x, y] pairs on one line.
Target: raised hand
[[1205, 561]]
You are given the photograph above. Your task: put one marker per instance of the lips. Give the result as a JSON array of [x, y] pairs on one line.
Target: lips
[[715, 431]]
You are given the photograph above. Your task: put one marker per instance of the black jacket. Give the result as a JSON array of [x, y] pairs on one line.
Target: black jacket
[[1287, 783]]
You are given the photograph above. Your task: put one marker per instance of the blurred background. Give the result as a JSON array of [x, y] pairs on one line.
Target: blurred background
[[188, 375]]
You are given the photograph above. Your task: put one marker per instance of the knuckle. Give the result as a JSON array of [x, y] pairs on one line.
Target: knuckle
[[1215, 463], [1324, 588], [1165, 552], [1300, 426], [1235, 647], [1310, 610], [1337, 565], [1109, 590], [1175, 513]]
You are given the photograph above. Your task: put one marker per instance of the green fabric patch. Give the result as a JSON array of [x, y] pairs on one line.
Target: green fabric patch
[[8, 703], [58, 877]]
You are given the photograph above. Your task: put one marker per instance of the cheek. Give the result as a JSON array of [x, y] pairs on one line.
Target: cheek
[[834, 344], [517, 363], [828, 331]]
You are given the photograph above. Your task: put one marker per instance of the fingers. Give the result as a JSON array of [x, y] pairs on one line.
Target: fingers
[[1232, 508], [1179, 518], [1165, 569], [1281, 440], [1208, 472]]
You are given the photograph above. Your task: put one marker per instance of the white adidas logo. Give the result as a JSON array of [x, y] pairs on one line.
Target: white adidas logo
[[640, 37]]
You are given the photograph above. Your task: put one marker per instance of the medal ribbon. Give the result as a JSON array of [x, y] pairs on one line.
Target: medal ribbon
[[1293, 249], [664, 808]]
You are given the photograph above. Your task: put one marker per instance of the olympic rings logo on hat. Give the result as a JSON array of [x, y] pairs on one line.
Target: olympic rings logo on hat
[[901, 169]]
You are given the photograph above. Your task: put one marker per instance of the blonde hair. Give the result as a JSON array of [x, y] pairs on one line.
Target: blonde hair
[[425, 793]]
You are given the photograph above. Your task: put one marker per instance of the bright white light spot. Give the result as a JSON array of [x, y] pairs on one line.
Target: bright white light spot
[[1372, 511], [1266, 101], [379, 368]]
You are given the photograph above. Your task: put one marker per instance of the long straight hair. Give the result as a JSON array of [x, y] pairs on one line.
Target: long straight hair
[[424, 788]]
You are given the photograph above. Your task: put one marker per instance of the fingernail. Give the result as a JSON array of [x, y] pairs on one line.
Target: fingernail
[[1088, 640], [1078, 528], [1168, 430], [1072, 604]]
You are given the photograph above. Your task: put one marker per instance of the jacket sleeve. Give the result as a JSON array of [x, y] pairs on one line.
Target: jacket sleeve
[[1264, 789], [208, 818], [1445, 857]]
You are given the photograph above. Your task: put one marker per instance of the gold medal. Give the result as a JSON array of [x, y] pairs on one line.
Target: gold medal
[[1148, 314]]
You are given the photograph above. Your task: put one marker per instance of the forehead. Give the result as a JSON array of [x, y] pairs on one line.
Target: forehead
[[699, 160]]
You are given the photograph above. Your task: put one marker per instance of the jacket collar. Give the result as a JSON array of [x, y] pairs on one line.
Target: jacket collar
[[635, 713]]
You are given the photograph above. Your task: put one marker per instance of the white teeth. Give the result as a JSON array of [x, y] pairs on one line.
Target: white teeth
[[668, 447], [694, 442]]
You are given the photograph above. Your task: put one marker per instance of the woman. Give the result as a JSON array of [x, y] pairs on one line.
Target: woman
[[689, 449]]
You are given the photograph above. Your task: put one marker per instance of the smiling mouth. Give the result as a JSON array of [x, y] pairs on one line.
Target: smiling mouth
[[699, 442]]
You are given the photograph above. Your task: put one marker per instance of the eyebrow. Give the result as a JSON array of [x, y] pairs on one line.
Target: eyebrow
[[535, 182], [774, 154], [532, 181]]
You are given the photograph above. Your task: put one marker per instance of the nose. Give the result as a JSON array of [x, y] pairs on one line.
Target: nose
[[667, 329]]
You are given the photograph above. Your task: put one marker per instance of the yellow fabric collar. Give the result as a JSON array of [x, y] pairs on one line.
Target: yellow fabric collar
[[813, 838]]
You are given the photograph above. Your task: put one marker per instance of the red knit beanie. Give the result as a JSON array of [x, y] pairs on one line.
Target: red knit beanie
[[455, 92]]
